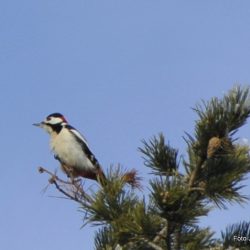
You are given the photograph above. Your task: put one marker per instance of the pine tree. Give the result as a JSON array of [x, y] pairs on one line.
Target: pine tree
[[181, 190]]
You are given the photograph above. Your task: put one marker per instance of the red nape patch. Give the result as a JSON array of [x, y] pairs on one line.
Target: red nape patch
[[63, 118]]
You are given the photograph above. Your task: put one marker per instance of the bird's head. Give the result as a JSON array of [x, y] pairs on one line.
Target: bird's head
[[52, 123]]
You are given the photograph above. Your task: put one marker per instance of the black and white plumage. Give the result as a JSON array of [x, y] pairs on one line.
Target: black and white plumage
[[71, 148]]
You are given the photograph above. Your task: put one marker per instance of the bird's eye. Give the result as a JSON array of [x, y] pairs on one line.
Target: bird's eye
[[48, 118]]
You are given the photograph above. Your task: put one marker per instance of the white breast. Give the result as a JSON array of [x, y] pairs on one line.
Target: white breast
[[70, 151]]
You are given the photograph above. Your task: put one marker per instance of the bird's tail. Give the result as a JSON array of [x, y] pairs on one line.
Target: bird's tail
[[100, 177]]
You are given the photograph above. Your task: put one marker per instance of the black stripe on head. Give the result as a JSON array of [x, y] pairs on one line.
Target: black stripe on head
[[56, 127]]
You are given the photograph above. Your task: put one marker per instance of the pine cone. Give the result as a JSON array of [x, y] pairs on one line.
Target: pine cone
[[218, 145], [214, 144]]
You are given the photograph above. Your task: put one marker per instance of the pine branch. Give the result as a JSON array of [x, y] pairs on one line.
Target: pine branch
[[194, 174], [216, 165], [196, 238], [159, 156]]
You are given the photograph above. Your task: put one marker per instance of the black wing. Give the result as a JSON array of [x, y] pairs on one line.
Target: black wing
[[84, 145]]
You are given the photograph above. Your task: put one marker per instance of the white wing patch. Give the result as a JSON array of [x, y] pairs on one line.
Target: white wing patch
[[80, 136]]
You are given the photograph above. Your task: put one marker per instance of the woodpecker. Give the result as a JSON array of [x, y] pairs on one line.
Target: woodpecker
[[71, 148]]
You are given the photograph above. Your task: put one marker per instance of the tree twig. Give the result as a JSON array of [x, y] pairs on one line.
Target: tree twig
[[161, 234], [195, 173], [152, 244], [76, 192]]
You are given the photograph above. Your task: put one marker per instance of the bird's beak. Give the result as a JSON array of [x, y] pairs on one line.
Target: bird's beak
[[40, 124]]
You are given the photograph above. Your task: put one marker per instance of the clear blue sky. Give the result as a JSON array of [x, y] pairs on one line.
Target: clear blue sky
[[120, 71]]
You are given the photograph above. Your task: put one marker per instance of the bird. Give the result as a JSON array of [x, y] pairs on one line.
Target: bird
[[71, 149]]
